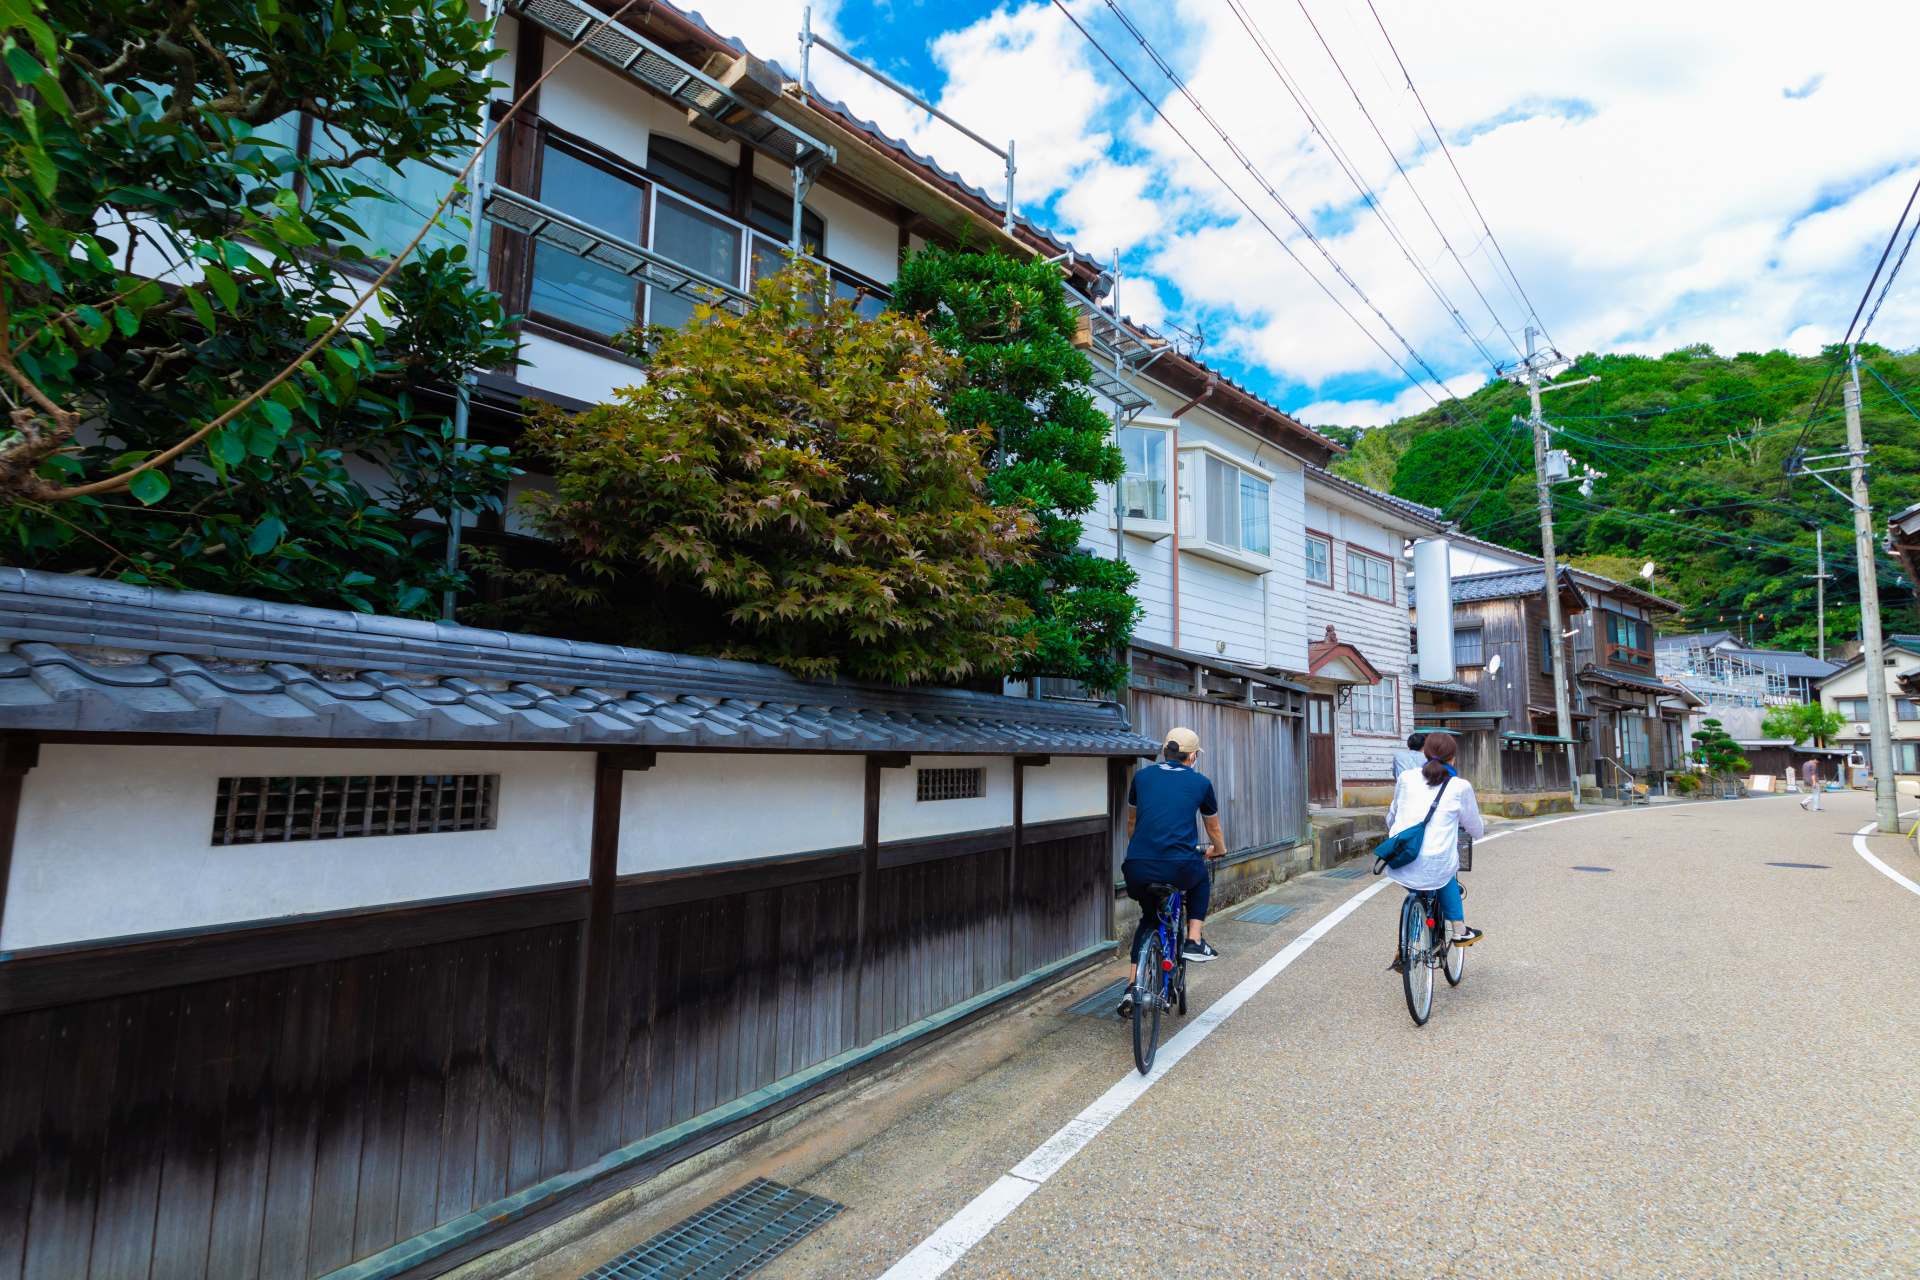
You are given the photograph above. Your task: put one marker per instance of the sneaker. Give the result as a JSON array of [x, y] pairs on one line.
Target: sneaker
[[1468, 936], [1198, 952], [1126, 1007]]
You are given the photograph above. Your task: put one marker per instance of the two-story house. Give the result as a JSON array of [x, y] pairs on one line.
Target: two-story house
[[1846, 691]]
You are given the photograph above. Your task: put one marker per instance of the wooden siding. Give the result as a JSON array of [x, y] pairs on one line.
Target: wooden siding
[[1255, 757], [287, 1111]]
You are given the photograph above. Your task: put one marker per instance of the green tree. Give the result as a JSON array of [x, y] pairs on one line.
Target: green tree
[[1802, 720], [165, 252], [1026, 385], [1716, 750], [784, 488]]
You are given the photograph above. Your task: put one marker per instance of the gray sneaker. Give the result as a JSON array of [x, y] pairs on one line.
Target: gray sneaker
[[1198, 952]]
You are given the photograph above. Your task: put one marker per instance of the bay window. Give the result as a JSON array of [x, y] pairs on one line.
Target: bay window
[[1376, 707], [1369, 575], [1225, 509]]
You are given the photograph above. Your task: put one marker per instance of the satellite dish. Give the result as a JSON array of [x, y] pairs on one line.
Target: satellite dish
[[1646, 571], [1493, 665]]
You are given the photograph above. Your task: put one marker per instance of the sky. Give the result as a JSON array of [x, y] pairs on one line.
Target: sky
[[1654, 174]]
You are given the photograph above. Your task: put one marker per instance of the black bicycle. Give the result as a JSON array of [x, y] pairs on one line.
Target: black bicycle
[[1160, 973], [1425, 945]]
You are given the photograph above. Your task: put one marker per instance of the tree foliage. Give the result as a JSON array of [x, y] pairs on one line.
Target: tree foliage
[[1026, 385], [1716, 750], [784, 488], [165, 251], [1800, 721], [1694, 446]]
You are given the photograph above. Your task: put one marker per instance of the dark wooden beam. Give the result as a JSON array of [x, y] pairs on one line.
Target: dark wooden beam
[[630, 760], [596, 953], [866, 1020], [889, 759], [1033, 762], [1013, 863]]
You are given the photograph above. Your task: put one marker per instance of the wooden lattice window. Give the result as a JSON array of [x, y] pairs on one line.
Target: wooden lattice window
[[278, 810], [950, 784]]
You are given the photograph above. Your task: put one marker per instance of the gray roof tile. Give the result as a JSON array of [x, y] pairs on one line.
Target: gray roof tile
[[78, 653]]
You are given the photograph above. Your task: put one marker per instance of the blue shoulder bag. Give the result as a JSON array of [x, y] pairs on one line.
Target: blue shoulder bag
[[1398, 851]]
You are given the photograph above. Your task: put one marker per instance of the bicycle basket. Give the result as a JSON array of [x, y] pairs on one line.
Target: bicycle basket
[[1466, 852]]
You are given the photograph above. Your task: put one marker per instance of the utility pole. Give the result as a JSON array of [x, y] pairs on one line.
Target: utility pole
[[1820, 587], [1885, 795], [1543, 487]]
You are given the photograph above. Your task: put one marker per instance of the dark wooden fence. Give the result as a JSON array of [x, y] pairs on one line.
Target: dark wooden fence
[[1255, 756], [279, 1102], [1541, 768]]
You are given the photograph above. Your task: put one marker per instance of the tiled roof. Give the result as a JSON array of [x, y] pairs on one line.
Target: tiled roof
[[1432, 517], [1627, 679], [77, 654], [1451, 687], [1788, 662], [1503, 584]]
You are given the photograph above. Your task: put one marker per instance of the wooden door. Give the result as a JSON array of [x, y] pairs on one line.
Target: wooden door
[[1323, 777]]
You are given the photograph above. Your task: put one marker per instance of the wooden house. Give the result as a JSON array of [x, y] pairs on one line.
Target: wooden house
[[338, 941]]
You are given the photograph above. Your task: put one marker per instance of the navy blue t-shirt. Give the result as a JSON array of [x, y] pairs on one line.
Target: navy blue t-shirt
[[1166, 797]]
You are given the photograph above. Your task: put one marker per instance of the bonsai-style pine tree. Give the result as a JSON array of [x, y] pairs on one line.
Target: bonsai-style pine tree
[[1715, 748], [1026, 385], [784, 488]]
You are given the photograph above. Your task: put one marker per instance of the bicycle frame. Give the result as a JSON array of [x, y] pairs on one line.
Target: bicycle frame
[[1173, 912]]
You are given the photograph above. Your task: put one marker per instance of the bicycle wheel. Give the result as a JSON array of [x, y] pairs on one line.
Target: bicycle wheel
[[1456, 966], [1180, 963], [1415, 948], [1147, 982]]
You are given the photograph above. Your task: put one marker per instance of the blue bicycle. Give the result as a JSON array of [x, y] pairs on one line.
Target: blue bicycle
[[1160, 974]]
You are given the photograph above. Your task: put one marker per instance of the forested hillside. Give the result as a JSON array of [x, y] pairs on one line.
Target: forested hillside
[[1692, 444]]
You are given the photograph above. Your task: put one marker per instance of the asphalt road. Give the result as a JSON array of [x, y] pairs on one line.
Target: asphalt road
[[1691, 1063]]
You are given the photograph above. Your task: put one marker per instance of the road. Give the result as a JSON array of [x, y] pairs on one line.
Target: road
[[1684, 1059]]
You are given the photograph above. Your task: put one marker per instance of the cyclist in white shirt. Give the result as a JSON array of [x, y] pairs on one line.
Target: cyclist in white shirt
[[1438, 866]]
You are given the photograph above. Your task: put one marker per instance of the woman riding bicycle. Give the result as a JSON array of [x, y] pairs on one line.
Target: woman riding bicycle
[[1438, 866]]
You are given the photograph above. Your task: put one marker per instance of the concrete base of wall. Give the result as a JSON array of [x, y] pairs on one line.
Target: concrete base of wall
[[1366, 795], [1527, 804]]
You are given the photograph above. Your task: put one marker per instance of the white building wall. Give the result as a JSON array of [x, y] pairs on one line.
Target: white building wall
[[857, 237], [902, 817], [1853, 684], [1380, 630], [1464, 560], [117, 841], [1065, 787], [693, 810]]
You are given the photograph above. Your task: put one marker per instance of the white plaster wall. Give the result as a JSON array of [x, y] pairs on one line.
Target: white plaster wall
[[114, 841], [904, 818], [1064, 787], [1378, 629], [587, 100], [1853, 684], [1463, 560], [568, 370], [693, 810]]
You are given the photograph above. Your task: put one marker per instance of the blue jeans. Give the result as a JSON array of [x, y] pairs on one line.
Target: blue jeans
[[1451, 908], [1189, 875]]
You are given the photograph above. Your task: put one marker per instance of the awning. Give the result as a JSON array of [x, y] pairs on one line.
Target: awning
[[1539, 739]]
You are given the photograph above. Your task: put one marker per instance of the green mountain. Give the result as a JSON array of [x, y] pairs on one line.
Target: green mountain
[[1693, 447]]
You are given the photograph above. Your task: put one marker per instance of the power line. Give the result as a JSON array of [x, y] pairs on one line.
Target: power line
[[1407, 178], [1248, 206], [1447, 151], [1887, 288], [1368, 195]]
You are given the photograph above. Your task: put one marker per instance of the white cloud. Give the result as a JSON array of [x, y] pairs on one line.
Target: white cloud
[[1654, 179]]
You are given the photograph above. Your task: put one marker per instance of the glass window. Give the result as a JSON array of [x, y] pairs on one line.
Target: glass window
[[1852, 708], [868, 300], [1906, 708], [1546, 651], [1253, 515], [771, 210], [1634, 745], [596, 298], [1236, 507], [1376, 708], [689, 170], [1320, 560], [1468, 649], [1907, 757], [406, 197], [1143, 486], [1369, 576], [694, 239]]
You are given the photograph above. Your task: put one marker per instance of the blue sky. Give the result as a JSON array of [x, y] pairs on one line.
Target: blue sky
[[1655, 174]]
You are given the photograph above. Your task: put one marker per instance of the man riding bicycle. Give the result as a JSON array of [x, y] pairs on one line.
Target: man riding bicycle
[[1162, 803]]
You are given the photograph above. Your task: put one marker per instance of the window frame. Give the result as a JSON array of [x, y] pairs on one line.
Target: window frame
[[1314, 535], [1143, 526], [1391, 687], [1480, 646], [1614, 649], [1191, 513], [521, 289], [1363, 553]]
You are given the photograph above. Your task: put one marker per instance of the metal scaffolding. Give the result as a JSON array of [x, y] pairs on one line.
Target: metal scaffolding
[[1723, 679]]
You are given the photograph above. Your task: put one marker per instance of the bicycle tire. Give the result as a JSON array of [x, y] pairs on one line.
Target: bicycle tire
[[1456, 965], [1180, 964], [1146, 1004], [1416, 976]]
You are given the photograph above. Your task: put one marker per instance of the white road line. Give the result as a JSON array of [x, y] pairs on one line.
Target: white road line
[[952, 1240], [1860, 847]]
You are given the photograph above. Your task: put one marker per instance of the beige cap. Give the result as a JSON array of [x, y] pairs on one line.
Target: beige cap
[[1185, 741]]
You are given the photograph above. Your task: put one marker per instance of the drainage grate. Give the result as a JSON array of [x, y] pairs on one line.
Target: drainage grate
[[1266, 913], [1601, 870], [1347, 873], [1101, 1003], [1803, 866], [736, 1235]]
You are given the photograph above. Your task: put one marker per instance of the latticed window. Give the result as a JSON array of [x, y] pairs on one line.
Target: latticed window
[[950, 784], [278, 810]]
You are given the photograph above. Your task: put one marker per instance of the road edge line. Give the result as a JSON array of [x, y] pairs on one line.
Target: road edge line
[[1873, 860]]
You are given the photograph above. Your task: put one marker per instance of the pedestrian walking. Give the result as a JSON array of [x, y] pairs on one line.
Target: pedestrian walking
[[1810, 774], [1411, 757]]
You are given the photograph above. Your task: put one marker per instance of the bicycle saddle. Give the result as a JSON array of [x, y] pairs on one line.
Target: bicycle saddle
[[1161, 890]]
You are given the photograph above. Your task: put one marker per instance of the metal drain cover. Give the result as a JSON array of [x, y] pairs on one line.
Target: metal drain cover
[[1266, 913], [1803, 866], [736, 1235], [1601, 870], [1101, 1003], [1347, 873]]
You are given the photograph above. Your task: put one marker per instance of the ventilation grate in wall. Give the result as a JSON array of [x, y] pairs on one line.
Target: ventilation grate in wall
[[278, 810], [950, 784]]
